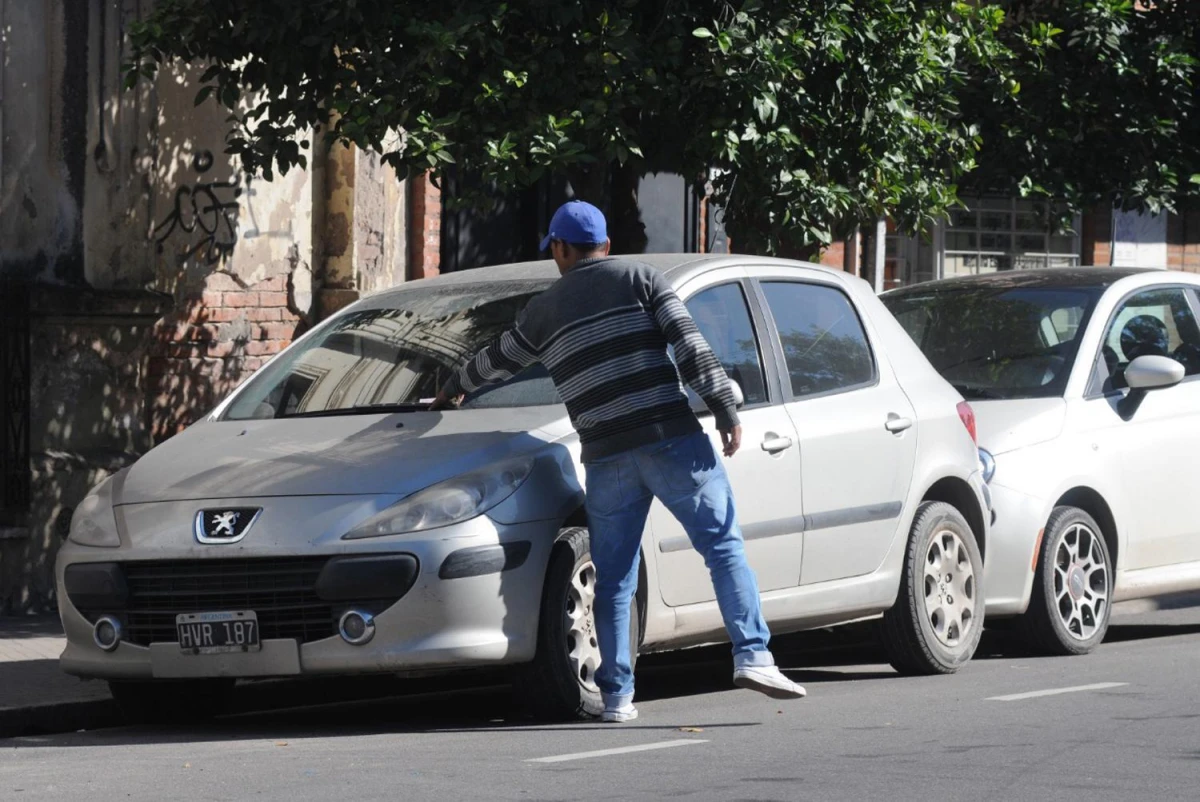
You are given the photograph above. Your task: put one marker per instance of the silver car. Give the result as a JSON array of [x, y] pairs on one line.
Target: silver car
[[321, 521], [1086, 385]]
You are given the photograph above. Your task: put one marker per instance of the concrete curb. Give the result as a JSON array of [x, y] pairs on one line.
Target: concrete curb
[[58, 717]]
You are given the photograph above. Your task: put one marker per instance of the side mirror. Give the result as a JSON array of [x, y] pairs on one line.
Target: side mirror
[[700, 408], [1144, 374], [1153, 373]]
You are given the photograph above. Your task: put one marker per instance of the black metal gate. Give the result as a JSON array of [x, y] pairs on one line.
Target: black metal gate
[[14, 403]]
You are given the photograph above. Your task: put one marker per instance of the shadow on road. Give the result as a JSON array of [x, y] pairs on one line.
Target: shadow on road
[[482, 701], [1118, 633]]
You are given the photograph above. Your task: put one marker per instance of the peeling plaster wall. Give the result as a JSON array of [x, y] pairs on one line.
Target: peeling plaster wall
[[39, 170], [379, 241], [208, 215]]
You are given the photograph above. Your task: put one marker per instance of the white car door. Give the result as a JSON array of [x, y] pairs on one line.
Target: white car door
[[1156, 445], [857, 428], [765, 473]]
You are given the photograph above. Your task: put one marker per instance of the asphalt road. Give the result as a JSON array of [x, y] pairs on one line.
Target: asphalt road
[[1123, 723]]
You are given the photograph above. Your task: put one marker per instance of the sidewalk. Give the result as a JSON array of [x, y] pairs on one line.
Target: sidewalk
[[35, 696]]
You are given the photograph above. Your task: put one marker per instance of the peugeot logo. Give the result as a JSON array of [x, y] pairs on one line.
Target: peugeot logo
[[225, 525]]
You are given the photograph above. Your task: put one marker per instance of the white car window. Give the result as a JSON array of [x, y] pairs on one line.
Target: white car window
[[823, 341], [1158, 322], [723, 318]]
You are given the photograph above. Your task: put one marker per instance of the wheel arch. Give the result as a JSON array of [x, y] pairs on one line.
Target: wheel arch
[[958, 494], [1092, 502]]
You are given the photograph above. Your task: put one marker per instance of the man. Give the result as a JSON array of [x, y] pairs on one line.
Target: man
[[602, 331]]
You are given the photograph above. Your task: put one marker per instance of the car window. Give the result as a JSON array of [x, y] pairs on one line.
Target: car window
[[723, 317], [400, 353], [823, 341], [997, 342], [1159, 322]]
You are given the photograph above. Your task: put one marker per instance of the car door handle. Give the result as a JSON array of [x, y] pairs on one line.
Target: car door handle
[[773, 444], [896, 424]]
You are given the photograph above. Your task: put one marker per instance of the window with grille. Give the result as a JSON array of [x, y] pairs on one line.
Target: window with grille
[[994, 234]]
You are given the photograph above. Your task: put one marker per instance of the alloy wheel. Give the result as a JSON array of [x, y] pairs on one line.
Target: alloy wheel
[[949, 588], [583, 649], [1081, 582]]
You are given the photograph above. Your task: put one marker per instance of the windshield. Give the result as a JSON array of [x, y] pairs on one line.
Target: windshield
[[395, 358], [998, 342]]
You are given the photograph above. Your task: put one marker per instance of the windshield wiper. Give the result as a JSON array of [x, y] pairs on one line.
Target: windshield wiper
[[364, 409], [992, 358]]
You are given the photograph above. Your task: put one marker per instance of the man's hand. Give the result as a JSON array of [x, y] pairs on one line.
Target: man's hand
[[731, 439], [443, 401]]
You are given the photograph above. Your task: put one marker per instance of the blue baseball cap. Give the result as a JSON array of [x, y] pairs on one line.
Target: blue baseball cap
[[579, 223]]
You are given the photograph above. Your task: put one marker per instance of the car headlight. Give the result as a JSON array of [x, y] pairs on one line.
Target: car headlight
[[93, 523], [988, 464], [452, 501]]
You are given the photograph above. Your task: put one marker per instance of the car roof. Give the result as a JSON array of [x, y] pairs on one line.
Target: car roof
[[674, 265], [1052, 278]]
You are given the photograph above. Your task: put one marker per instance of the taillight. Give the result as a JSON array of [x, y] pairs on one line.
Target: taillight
[[967, 416]]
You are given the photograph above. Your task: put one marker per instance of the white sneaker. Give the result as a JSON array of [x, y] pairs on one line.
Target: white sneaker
[[619, 715], [769, 680]]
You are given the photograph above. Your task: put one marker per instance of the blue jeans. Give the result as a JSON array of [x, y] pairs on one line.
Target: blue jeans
[[687, 476]]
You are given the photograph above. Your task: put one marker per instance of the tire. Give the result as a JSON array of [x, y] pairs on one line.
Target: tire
[[560, 682], [1069, 610], [171, 701], [934, 626]]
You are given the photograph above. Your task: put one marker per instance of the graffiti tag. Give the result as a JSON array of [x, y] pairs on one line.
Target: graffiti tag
[[208, 207]]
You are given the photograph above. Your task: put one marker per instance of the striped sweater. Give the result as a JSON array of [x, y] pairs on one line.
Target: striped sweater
[[602, 331]]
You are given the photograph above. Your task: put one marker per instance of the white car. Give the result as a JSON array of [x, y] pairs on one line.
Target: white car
[[1086, 387], [322, 521]]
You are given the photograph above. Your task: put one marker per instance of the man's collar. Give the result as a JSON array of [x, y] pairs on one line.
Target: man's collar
[[591, 260]]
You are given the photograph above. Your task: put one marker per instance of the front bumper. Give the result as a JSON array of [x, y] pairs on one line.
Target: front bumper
[[1012, 547], [471, 604]]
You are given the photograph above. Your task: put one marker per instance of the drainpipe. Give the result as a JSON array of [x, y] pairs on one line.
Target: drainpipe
[[880, 243]]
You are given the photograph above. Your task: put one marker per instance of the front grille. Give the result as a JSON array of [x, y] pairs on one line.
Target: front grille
[[282, 591]]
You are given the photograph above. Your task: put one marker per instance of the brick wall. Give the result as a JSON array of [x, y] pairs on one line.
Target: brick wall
[[1183, 241], [1095, 237], [215, 340], [834, 255], [425, 229]]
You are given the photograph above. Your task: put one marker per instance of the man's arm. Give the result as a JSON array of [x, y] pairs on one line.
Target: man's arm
[[505, 357], [697, 363]]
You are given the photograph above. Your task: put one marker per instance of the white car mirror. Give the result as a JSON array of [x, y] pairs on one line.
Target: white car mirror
[[1153, 373]]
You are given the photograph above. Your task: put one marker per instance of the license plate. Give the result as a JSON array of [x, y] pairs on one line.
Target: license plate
[[218, 633]]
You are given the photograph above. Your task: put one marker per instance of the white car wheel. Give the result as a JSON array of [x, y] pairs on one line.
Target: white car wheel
[[1069, 611], [580, 624], [936, 623], [561, 681]]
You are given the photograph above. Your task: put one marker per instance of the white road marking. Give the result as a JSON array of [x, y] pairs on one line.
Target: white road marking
[[618, 751], [1013, 697]]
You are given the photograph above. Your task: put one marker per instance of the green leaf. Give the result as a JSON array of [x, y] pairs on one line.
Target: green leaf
[[702, 33], [203, 94]]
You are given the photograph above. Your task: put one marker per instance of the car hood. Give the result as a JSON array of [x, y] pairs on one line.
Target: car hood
[[1008, 425], [394, 454]]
